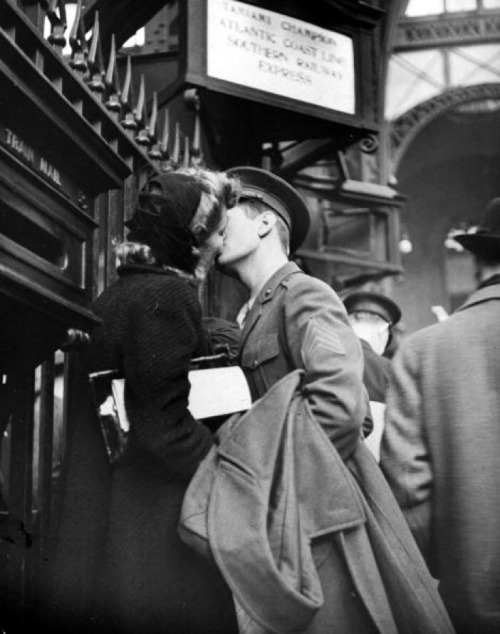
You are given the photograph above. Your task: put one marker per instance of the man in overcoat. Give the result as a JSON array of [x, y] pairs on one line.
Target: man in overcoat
[[293, 321], [440, 449]]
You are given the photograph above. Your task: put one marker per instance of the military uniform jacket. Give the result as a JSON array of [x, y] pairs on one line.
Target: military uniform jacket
[[298, 322]]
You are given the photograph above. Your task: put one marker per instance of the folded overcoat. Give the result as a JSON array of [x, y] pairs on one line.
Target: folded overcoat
[[275, 506]]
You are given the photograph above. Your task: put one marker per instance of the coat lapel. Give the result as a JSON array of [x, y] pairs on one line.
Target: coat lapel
[[265, 295], [251, 319]]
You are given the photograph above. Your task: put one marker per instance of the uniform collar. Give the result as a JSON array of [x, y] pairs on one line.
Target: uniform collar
[[277, 279], [266, 294], [494, 279]]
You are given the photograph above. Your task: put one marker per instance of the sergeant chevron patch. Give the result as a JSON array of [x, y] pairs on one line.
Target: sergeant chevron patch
[[320, 338]]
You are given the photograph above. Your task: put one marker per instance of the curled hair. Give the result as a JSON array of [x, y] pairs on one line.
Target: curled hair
[[134, 253], [219, 192]]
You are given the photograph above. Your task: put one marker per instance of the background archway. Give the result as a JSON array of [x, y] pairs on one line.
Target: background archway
[[447, 161]]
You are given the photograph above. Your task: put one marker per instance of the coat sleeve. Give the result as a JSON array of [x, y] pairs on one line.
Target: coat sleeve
[[165, 336], [322, 343], [404, 456]]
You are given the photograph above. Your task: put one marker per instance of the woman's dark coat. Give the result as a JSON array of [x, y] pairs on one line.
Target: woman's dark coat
[[119, 565]]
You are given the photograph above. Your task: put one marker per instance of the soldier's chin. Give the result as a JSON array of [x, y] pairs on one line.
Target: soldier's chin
[[224, 268], [218, 264]]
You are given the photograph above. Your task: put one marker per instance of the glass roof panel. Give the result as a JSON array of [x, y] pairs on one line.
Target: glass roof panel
[[474, 65], [461, 5], [424, 7], [413, 78], [419, 8]]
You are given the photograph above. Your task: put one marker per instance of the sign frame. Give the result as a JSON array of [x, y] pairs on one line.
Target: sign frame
[[194, 63], [280, 55]]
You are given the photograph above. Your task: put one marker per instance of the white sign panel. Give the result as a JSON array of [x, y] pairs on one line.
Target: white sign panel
[[218, 391], [284, 56]]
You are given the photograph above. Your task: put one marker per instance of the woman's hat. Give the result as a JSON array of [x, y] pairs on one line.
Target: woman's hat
[[178, 194], [277, 194], [375, 303], [484, 239], [166, 206]]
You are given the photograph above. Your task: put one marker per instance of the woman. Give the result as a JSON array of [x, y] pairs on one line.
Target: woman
[[124, 522]]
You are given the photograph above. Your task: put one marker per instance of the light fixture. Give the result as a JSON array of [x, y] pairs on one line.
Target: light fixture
[[405, 244]]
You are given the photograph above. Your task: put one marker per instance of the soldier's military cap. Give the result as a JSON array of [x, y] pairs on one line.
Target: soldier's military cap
[[376, 303], [277, 194]]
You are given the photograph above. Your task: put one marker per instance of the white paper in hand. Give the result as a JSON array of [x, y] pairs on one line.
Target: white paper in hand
[[218, 391]]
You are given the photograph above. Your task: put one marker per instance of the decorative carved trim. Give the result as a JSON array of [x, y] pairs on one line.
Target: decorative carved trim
[[369, 144], [406, 127], [449, 31]]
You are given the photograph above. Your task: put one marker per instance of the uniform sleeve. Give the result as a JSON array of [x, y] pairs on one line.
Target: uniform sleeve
[[404, 456], [164, 336], [323, 344]]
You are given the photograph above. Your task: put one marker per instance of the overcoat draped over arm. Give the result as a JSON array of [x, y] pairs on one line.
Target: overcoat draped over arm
[[271, 488]]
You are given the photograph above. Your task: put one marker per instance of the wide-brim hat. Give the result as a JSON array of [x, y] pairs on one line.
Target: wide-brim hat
[[279, 195], [376, 303], [484, 238]]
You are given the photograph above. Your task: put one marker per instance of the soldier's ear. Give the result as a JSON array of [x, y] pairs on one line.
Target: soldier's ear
[[267, 220]]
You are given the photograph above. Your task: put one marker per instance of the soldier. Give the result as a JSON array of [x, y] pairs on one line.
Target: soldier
[[294, 321], [291, 320]]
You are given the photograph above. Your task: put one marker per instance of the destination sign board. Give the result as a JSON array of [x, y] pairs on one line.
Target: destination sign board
[[281, 55]]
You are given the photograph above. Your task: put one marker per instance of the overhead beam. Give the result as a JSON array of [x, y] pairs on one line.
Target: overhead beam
[[357, 12], [452, 30], [304, 154]]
